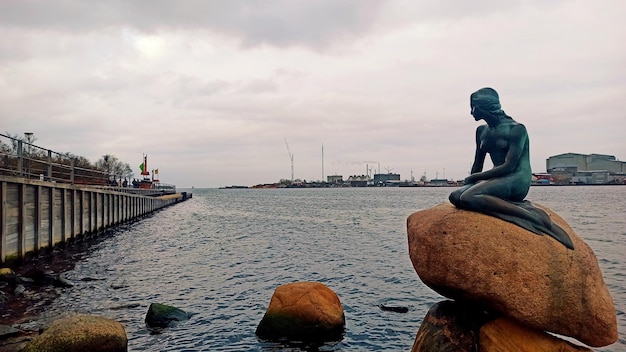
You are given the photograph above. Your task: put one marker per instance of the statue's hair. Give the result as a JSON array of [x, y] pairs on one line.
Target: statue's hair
[[488, 100]]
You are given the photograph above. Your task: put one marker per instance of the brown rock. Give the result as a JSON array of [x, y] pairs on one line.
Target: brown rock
[[449, 327], [81, 333], [304, 311], [504, 335], [534, 279]]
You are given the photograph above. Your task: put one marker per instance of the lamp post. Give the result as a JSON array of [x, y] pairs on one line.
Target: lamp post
[[28, 136]]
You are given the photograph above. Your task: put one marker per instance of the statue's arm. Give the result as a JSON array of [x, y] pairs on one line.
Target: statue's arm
[[517, 139], [479, 155]]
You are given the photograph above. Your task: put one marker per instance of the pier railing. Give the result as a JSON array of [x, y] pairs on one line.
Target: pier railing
[[19, 158]]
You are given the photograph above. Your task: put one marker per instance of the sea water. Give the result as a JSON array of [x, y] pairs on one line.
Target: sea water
[[221, 254]]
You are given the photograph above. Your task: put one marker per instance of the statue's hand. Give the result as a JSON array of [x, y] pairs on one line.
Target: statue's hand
[[471, 179]]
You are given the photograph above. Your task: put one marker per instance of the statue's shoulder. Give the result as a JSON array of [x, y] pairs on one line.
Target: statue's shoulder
[[518, 126], [514, 124]]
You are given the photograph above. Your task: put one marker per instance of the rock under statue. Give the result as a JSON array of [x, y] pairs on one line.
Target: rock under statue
[[500, 192]]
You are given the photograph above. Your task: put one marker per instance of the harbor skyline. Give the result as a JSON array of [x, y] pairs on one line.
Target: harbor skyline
[[212, 91]]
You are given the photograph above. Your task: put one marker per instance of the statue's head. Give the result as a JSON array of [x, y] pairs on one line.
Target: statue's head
[[485, 100]]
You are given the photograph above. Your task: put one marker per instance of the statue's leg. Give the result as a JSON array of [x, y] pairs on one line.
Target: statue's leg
[[455, 197], [492, 197]]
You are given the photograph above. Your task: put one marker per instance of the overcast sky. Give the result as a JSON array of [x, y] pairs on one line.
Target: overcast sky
[[211, 91]]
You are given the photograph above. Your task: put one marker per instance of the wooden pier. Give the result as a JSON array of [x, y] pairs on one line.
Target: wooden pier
[[37, 215]]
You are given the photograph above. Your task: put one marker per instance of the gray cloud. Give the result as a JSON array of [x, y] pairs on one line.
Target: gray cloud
[[280, 23], [210, 90]]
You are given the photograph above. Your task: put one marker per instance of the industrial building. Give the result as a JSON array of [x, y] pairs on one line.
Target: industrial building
[[381, 179], [586, 169], [334, 179]]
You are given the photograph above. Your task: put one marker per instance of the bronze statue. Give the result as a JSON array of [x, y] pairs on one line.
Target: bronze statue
[[500, 192]]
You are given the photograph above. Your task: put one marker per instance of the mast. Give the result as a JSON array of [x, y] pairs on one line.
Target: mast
[[290, 157], [145, 172], [322, 162]]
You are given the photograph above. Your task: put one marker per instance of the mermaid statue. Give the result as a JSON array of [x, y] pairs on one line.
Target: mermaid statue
[[500, 192]]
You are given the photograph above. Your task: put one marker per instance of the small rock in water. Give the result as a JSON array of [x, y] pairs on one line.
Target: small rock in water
[[6, 274], [87, 279], [62, 282], [125, 306], [7, 331], [24, 280], [305, 312], [163, 316], [397, 309], [81, 333], [19, 289]]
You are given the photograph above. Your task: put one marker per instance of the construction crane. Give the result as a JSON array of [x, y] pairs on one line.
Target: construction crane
[[290, 158]]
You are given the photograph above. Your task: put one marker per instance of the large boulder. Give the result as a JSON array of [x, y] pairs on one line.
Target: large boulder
[[303, 311], [533, 279], [81, 333], [504, 335], [449, 326]]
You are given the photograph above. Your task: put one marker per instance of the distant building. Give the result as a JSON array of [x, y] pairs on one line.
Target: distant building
[[380, 179], [438, 182], [586, 168], [334, 179], [585, 162], [359, 181]]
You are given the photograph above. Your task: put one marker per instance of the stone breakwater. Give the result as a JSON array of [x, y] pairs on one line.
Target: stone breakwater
[[506, 271]]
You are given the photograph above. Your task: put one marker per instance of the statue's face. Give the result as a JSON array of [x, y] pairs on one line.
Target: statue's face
[[476, 111]]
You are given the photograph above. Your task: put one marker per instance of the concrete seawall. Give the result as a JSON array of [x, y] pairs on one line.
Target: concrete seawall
[[38, 215]]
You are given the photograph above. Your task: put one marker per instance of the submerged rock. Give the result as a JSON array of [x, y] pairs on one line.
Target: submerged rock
[[62, 282], [393, 308], [534, 279], [7, 274], [7, 331], [303, 311], [164, 316]]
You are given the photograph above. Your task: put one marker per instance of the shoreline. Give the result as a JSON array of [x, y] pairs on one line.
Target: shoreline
[[35, 284]]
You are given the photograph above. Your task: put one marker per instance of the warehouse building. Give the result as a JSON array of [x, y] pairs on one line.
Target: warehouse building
[[586, 168]]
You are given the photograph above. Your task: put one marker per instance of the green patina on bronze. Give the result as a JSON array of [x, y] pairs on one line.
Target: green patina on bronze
[[500, 192]]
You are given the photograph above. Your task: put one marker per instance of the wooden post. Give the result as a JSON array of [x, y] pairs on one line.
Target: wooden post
[[37, 218], [21, 227], [20, 157], [102, 211], [109, 207], [90, 211], [82, 213], [3, 222], [118, 203], [73, 213], [51, 214], [49, 165], [72, 167]]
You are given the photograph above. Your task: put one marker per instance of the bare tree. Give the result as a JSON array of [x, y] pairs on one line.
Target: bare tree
[[113, 167]]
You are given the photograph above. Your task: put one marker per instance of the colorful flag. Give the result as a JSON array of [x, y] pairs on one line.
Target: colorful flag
[[141, 167], [156, 171]]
